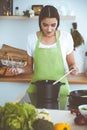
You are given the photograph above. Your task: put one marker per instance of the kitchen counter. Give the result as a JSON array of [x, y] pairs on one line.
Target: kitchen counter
[[77, 79], [60, 116], [73, 79], [20, 78]]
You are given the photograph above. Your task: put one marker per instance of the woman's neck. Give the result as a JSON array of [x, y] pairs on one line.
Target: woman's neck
[[48, 40]]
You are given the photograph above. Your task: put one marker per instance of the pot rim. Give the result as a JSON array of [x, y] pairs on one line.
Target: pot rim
[[78, 93]]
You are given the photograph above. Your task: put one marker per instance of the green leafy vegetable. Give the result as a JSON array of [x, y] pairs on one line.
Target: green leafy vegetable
[[83, 108], [41, 124], [16, 116]]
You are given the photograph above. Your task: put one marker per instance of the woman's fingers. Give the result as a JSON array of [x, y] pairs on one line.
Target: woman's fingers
[[75, 70]]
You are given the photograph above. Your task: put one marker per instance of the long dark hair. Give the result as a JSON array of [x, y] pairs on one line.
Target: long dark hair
[[49, 11]]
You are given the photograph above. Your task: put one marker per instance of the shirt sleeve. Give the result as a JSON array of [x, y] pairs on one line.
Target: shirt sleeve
[[31, 43], [70, 44], [67, 46]]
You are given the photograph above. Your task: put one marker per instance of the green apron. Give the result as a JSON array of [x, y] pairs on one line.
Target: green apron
[[48, 65]]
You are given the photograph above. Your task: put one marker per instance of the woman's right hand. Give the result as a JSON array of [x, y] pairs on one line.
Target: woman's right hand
[[74, 69]]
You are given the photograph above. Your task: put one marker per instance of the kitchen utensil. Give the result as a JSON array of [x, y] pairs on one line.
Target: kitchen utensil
[[47, 94], [76, 98], [83, 110], [62, 77]]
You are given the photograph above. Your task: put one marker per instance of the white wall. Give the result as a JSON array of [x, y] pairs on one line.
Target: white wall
[[15, 32], [11, 91]]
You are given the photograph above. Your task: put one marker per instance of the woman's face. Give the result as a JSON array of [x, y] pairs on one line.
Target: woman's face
[[48, 26]]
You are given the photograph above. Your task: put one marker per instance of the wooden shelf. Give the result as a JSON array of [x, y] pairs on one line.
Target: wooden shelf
[[13, 17], [67, 17], [35, 17]]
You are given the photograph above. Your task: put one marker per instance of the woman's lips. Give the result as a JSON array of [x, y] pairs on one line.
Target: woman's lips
[[49, 33]]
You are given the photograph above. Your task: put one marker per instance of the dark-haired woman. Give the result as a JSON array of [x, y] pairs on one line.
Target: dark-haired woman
[[49, 49]]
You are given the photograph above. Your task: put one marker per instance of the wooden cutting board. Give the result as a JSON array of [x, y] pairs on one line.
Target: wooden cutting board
[[12, 52], [10, 48]]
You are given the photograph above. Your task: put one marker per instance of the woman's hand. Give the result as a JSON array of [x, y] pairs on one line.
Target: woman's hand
[[74, 69], [71, 63]]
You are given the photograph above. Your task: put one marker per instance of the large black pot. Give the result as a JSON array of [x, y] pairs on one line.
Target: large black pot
[[47, 94], [76, 98]]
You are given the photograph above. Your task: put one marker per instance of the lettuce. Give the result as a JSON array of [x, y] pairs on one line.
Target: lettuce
[[17, 116]]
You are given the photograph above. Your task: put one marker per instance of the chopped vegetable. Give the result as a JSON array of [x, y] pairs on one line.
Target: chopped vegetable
[[83, 108], [44, 115]]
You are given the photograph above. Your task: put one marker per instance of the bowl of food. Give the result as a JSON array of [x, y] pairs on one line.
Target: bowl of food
[[83, 110]]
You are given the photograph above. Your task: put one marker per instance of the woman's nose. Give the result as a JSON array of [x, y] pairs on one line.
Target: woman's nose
[[49, 29]]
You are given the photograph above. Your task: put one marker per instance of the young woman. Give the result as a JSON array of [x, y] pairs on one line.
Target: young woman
[[48, 51]]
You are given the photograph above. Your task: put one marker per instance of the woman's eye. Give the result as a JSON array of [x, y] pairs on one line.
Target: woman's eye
[[45, 25], [53, 25]]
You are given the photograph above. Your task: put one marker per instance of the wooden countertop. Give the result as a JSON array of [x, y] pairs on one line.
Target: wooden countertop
[[73, 79], [19, 78], [77, 79]]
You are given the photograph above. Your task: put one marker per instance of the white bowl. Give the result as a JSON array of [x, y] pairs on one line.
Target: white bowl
[[83, 110]]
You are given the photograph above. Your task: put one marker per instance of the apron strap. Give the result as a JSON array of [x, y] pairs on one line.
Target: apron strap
[[40, 36], [57, 39], [39, 39]]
